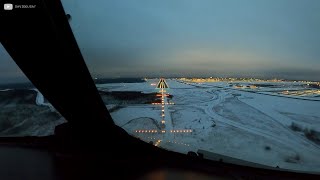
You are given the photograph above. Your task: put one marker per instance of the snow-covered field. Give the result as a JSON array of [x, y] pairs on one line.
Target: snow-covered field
[[23, 112], [244, 124], [258, 125]]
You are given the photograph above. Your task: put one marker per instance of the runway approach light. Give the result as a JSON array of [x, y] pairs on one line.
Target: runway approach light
[[162, 84]]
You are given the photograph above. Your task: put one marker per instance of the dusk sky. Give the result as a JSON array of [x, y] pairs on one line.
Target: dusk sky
[[138, 38]]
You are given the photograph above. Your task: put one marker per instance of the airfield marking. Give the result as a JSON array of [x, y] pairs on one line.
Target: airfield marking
[[164, 129]]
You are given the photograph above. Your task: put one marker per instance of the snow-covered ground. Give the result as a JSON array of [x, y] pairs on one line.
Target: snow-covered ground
[[41, 102], [257, 125], [243, 124], [24, 112]]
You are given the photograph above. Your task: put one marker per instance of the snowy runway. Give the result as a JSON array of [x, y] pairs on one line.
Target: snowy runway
[[245, 125]]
